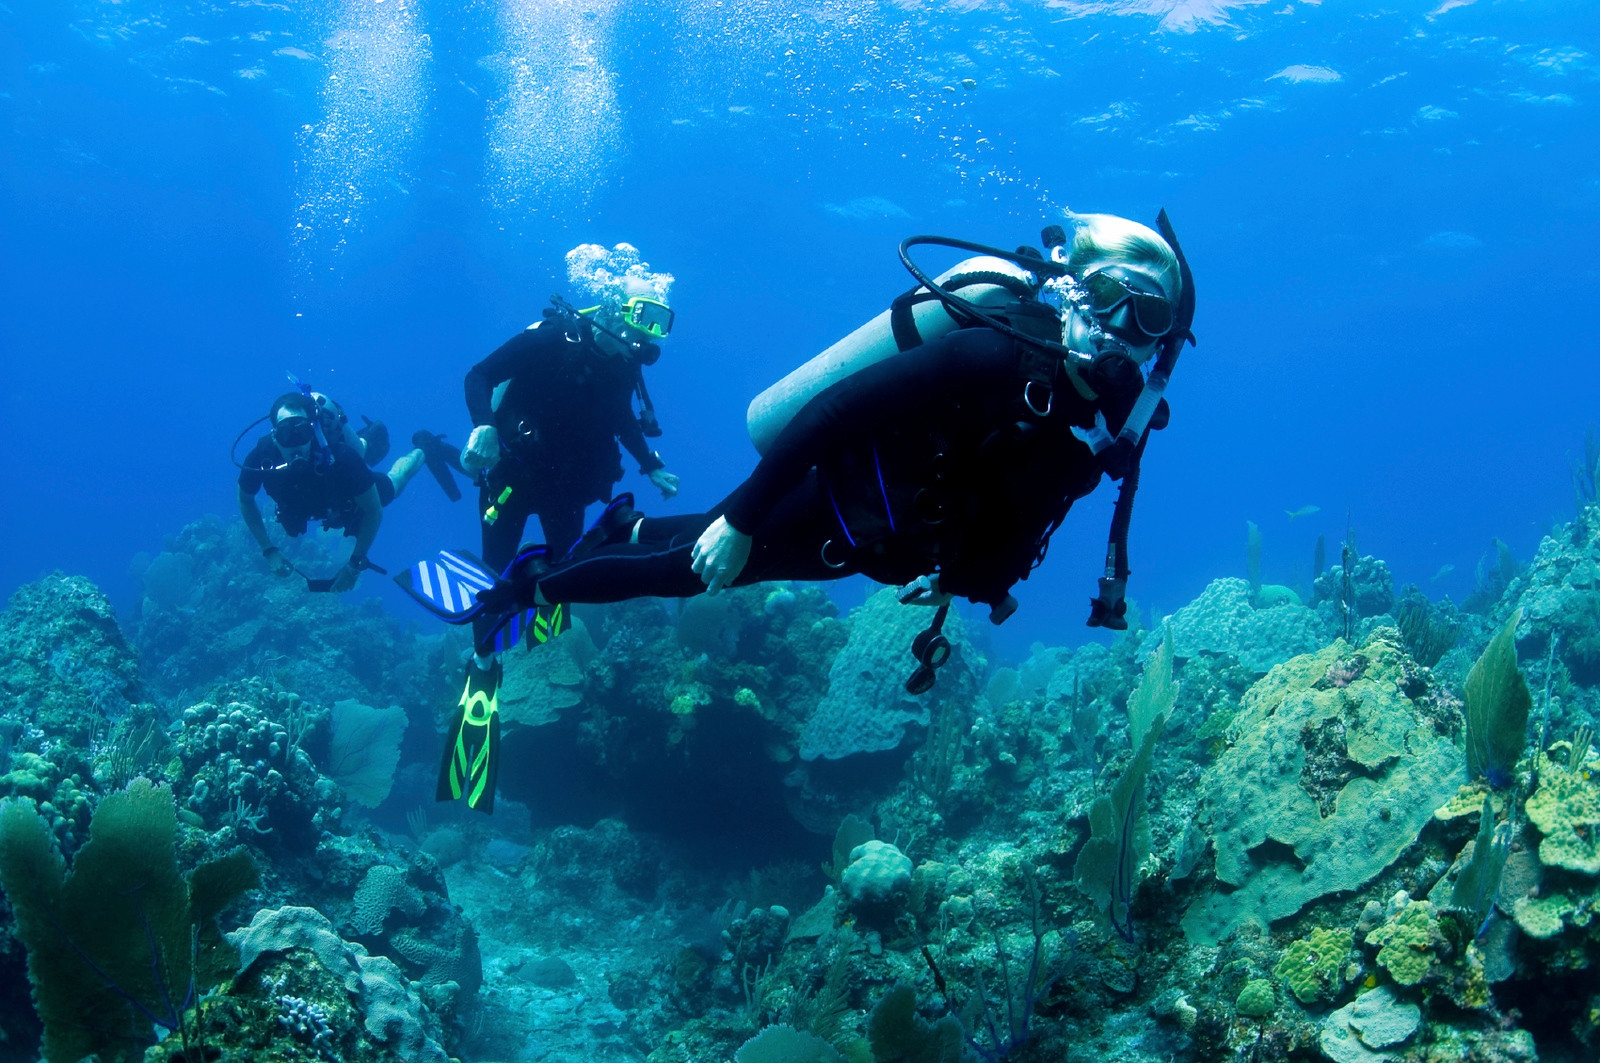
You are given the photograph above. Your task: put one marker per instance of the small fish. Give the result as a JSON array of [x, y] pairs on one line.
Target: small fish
[[1444, 570], [1303, 511]]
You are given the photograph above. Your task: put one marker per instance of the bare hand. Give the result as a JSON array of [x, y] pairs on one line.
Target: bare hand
[[665, 482], [280, 565], [924, 590], [720, 554], [345, 579]]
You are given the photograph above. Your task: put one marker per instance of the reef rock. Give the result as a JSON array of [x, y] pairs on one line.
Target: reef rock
[[539, 684], [866, 708], [1559, 594], [63, 661], [1223, 620]]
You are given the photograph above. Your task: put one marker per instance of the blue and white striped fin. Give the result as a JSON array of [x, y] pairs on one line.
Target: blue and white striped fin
[[448, 584]]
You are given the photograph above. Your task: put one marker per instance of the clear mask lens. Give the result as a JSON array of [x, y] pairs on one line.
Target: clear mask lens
[[650, 316], [1108, 292]]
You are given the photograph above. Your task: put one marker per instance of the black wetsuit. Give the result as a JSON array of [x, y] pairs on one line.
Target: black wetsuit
[[927, 461], [565, 406], [304, 491]]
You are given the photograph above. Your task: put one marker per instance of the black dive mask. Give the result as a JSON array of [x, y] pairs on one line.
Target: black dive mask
[[293, 432]]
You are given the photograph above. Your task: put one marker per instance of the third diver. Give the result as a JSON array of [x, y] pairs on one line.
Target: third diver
[[314, 465]]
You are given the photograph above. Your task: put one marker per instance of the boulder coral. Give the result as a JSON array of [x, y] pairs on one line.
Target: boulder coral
[[1337, 761]]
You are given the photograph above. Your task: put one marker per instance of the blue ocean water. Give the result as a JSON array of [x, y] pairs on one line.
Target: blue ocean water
[[1391, 211]]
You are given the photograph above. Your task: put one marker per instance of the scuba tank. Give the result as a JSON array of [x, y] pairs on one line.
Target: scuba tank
[[985, 282]]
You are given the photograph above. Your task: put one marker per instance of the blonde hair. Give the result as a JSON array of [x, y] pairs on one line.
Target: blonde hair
[[1104, 239]]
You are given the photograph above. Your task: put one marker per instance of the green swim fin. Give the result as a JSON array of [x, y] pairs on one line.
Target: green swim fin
[[472, 747], [548, 621]]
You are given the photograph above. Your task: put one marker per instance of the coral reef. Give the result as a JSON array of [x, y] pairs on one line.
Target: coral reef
[[866, 708], [131, 826], [237, 621], [65, 667], [1559, 597], [726, 832], [292, 959]]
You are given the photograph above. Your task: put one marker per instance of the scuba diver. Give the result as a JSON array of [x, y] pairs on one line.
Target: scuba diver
[[548, 408], [315, 467], [937, 448]]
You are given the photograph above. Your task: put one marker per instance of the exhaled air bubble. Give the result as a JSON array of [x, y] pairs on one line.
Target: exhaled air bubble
[[372, 100]]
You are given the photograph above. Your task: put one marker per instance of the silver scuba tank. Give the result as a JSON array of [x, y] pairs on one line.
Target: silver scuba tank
[[989, 283]]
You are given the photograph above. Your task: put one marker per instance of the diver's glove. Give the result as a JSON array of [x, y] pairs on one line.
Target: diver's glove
[[281, 566], [665, 482], [482, 451], [719, 554], [924, 590]]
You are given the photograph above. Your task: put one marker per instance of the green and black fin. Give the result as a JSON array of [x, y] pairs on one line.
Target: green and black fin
[[548, 621], [472, 746]]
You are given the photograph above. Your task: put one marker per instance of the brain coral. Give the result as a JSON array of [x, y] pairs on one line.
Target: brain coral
[[1327, 781]]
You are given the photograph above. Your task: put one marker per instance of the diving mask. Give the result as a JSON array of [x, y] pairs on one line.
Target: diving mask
[[650, 316], [292, 432], [1113, 287]]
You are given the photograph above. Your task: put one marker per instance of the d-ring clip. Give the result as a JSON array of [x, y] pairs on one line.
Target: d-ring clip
[[824, 555], [1027, 398]]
